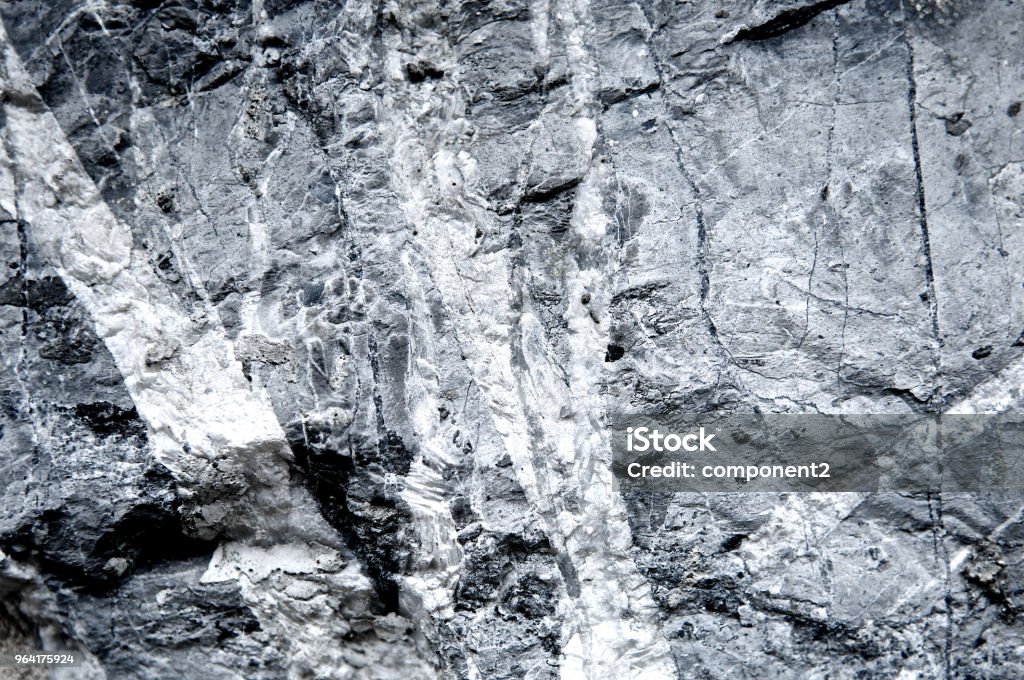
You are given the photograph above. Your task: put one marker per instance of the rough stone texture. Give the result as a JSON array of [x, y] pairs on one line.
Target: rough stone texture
[[313, 313]]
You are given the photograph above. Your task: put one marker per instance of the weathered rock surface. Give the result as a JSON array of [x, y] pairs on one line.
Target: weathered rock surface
[[313, 314]]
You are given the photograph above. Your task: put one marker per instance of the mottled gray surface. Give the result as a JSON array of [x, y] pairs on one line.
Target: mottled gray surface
[[441, 244]]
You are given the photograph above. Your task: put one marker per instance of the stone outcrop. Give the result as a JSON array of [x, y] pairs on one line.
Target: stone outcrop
[[313, 315]]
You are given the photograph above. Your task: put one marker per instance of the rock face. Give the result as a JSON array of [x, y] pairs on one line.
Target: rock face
[[313, 314]]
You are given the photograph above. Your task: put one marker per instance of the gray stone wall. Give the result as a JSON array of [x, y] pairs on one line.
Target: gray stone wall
[[313, 315]]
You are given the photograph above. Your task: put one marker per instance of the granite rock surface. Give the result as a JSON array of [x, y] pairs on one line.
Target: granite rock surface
[[313, 315]]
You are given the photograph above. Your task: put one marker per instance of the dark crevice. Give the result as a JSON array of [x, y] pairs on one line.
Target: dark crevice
[[613, 353], [628, 94], [922, 209], [349, 489], [538, 195], [785, 21], [941, 553], [89, 546], [109, 419], [419, 71], [326, 473], [36, 294], [701, 255]]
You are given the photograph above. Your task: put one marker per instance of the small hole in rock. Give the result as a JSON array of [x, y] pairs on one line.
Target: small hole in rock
[[614, 353]]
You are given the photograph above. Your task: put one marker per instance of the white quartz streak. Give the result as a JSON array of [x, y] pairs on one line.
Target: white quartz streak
[[180, 370], [187, 386], [611, 627]]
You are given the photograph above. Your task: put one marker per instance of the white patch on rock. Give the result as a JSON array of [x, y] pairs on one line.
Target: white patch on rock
[[205, 422]]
